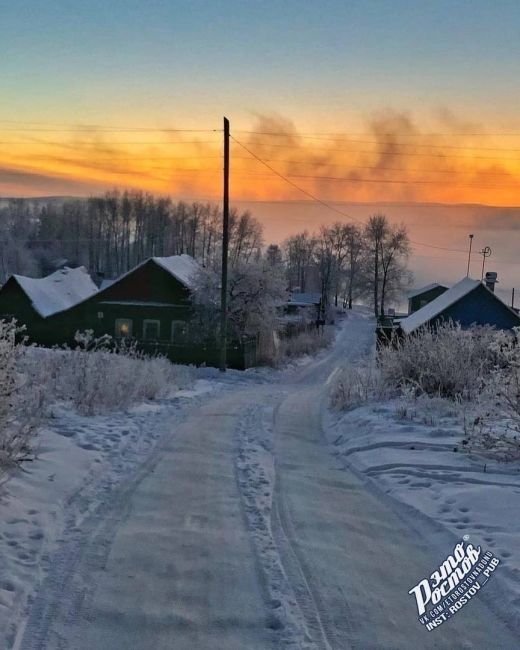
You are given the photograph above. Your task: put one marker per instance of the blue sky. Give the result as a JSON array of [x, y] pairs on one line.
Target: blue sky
[[315, 60], [325, 66]]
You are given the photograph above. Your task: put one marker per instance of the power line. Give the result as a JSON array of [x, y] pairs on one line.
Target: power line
[[117, 159], [306, 134], [399, 181], [74, 145], [328, 205], [92, 129], [378, 168], [151, 157], [387, 133], [383, 142], [453, 259], [393, 153]]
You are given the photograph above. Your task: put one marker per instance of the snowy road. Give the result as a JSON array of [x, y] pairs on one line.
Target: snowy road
[[241, 531]]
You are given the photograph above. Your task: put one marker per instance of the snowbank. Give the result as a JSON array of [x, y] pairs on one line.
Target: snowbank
[[417, 456]]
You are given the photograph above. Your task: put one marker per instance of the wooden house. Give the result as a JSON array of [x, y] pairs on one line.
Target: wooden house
[[37, 303], [469, 302], [420, 297], [151, 302], [150, 305]]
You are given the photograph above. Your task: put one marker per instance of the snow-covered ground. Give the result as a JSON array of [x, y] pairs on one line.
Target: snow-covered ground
[[218, 518], [415, 454], [77, 462]]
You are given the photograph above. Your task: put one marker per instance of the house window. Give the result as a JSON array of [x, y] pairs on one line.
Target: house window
[[123, 328], [151, 329], [179, 332]]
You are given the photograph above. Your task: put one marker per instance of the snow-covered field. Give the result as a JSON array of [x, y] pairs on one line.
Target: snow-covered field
[[415, 454]]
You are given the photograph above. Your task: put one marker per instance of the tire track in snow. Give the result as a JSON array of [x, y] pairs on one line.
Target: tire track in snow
[[256, 481], [323, 628], [308, 598]]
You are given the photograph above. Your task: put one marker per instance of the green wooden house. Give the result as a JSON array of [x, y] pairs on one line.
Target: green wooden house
[[40, 304], [151, 305]]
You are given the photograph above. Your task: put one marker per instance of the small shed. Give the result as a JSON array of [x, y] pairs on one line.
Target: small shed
[[418, 298], [469, 302], [309, 303]]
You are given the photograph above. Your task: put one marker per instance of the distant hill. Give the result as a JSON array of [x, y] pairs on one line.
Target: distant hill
[[4, 200]]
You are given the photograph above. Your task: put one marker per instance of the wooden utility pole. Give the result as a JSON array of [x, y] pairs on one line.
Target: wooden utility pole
[[225, 246], [469, 254]]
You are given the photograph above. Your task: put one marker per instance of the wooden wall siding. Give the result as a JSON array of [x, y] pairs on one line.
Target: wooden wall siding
[[14, 301], [480, 307], [415, 303], [148, 283], [89, 316]]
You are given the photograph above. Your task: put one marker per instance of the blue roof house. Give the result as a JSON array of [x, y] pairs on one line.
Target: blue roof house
[[469, 302]]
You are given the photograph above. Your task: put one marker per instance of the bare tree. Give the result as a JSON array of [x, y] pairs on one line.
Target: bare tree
[[299, 251], [389, 249], [395, 249], [356, 250], [376, 231]]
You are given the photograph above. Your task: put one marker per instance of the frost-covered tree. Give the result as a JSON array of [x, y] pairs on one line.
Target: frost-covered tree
[[255, 290]]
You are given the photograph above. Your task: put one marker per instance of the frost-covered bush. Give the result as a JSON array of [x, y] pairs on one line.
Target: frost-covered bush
[[98, 376], [445, 361], [503, 386], [19, 396], [306, 342], [471, 376], [354, 385]]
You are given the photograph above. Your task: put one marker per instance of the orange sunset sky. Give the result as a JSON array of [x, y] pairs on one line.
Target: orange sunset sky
[[365, 106]]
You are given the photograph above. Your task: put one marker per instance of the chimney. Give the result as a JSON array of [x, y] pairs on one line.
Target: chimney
[[491, 280]]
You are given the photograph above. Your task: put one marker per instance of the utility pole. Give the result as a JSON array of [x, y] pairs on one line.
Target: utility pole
[[225, 246], [513, 298], [469, 254]]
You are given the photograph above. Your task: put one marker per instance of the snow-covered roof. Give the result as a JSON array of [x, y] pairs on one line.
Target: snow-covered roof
[[303, 299], [438, 305], [183, 267], [106, 282], [58, 291], [428, 287]]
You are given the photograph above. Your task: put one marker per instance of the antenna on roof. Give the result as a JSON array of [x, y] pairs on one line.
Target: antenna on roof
[[485, 252]]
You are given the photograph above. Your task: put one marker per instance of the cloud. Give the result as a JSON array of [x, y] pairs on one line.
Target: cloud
[[393, 160], [16, 182]]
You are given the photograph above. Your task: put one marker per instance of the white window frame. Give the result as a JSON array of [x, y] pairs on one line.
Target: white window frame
[[121, 321], [172, 330], [148, 321]]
